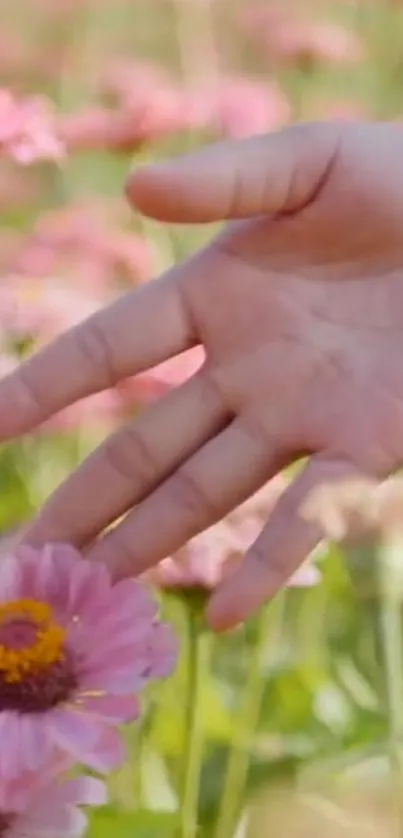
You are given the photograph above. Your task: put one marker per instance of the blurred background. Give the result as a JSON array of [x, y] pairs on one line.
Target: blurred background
[[290, 712]]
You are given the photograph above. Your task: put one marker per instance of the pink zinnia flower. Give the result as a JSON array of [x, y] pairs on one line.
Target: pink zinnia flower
[[88, 241], [238, 106], [74, 651], [147, 105], [41, 309], [297, 39], [27, 132], [42, 803]]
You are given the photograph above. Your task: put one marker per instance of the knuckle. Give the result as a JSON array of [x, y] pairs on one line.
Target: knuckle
[[197, 508], [271, 561], [96, 351], [33, 396], [121, 545], [130, 456], [236, 193], [218, 392], [259, 434]]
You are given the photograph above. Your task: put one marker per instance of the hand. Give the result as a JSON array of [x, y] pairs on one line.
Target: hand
[[299, 305]]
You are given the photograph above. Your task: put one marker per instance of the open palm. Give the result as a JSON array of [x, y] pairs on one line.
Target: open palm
[[299, 305]]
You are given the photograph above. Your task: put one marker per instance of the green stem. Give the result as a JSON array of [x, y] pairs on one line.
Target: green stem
[[199, 644], [391, 640], [246, 720], [198, 54], [392, 654]]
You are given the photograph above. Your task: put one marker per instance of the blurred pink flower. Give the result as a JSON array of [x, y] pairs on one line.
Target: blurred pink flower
[[238, 107], [27, 130], [124, 78], [36, 804], [144, 105], [99, 128], [147, 92], [298, 40], [203, 563], [88, 244], [215, 554], [40, 309], [100, 412], [75, 650], [151, 385]]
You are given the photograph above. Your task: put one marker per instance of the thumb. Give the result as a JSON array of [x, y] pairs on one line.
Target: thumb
[[273, 173]]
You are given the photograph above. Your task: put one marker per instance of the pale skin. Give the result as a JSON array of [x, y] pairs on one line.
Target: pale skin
[[299, 305]]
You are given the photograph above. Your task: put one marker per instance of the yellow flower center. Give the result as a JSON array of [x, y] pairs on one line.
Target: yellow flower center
[[30, 639]]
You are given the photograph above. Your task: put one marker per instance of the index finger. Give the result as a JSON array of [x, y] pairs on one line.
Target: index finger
[[138, 331]]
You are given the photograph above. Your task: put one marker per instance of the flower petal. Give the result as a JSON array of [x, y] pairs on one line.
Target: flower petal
[[10, 754], [115, 681], [35, 742], [46, 582], [10, 579], [87, 791], [109, 752], [163, 651], [74, 732], [115, 708], [51, 822], [130, 641], [130, 598], [89, 585], [305, 577]]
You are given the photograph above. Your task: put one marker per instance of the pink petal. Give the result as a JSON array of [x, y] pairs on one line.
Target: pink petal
[[116, 709], [116, 681], [130, 598], [26, 558], [127, 601], [74, 732], [9, 737], [50, 821], [87, 791], [46, 579], [163, 651], [305, 577], [24, 741], [90, 583], [113, 650], [109, 752], [10, 756], [10, 579], [123, 657], [35, 741]]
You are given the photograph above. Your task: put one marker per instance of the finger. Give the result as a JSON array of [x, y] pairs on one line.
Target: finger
[[286, 541], [217, 478], [139, 331], [274, 173], [130, 464]]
